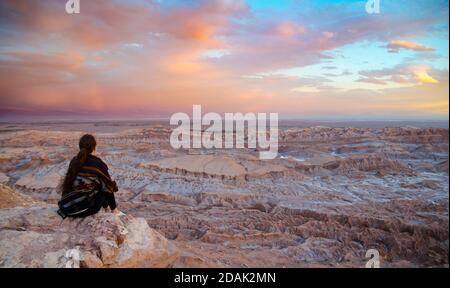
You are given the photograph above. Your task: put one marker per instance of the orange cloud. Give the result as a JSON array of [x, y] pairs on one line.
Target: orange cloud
[[396, 45]]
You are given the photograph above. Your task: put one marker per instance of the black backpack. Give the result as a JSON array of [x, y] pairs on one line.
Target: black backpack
[[76, 202]]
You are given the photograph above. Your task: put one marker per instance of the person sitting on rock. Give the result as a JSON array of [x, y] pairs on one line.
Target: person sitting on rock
[[87, 186]]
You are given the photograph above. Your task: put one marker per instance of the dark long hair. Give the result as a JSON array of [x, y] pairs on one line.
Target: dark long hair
[[87, 144]]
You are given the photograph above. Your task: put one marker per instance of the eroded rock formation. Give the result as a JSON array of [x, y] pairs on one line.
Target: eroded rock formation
[[332, 194], [37, 237]]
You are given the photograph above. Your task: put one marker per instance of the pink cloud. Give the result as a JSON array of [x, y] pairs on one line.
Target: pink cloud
[[288, 29], [122, 58]]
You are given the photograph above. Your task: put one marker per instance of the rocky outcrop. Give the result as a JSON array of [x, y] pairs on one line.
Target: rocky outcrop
[[38, 237], [3, 178], [368, 162], [442, 167], [31, 182], [213, 166], [207, 164], [10, 198], [400, 134], [167, 198]]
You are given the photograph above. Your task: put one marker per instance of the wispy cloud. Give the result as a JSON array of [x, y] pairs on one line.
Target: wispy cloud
[[395, 45], [159, 57]]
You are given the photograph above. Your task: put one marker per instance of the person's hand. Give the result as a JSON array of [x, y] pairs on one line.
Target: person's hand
[[117, 212]]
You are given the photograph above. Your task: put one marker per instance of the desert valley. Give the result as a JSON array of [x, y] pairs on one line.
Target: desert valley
[[334, 192]]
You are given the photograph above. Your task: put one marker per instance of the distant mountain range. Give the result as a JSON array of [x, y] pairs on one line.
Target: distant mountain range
[[19, 114]]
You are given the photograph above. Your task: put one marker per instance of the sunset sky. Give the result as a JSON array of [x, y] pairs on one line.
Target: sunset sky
[[303, 59]]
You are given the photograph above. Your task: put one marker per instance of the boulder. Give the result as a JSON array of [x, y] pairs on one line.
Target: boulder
[[38, 237]]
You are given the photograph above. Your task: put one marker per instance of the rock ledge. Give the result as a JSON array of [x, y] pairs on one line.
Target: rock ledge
[[38, 237]]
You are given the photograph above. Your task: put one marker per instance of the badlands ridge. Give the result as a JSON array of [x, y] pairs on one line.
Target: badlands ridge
[[332, 194]]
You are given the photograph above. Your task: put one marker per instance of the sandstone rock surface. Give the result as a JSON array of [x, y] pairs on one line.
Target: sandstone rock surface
[[38, 237], [214, 166], [3, 178], [9, 198]]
